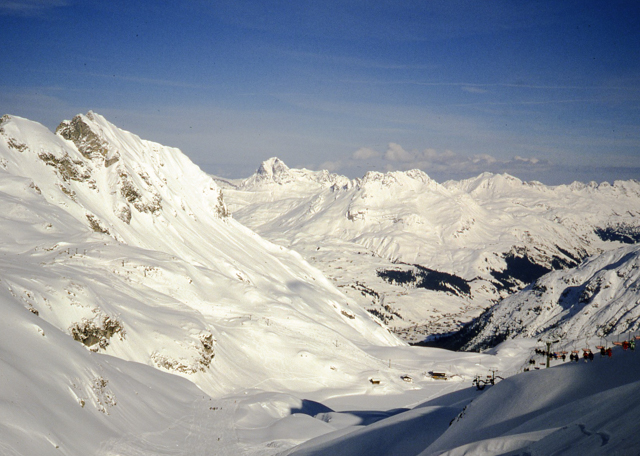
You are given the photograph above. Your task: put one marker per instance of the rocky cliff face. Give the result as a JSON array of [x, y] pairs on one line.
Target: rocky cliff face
[[87, 141], [275, 172]]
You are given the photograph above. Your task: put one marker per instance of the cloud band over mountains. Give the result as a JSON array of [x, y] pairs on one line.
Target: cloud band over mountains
[[442, 162]]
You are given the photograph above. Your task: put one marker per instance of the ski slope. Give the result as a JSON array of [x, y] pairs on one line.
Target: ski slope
[[571, 409]]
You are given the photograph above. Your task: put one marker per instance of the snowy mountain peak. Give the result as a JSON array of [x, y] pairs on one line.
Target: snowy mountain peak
[[274, 172], [84, 132], [126, 246], [273, 168], [493, 233], [491, 183], [271, 171], [400, 178]]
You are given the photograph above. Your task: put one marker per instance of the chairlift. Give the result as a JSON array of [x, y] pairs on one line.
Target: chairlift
[[480, 384], [489, 380]]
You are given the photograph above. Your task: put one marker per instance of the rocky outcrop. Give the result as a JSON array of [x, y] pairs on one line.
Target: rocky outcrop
[[87, 141]]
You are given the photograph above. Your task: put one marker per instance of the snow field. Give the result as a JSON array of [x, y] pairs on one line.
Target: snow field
[[195, 336], [573, 409]]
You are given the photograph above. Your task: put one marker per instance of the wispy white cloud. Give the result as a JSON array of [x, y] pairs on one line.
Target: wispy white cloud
[[448, 162], [365, 153], [525, 161], [29, 7], [331, 166], [474, 89]]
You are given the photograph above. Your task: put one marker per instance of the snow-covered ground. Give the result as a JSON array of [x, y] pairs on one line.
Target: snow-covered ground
[[140, 318], [584, 408]]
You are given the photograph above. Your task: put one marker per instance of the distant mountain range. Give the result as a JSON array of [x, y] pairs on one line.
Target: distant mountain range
[[426, 257]]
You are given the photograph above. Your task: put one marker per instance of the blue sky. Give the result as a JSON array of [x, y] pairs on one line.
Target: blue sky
[[543, 90]]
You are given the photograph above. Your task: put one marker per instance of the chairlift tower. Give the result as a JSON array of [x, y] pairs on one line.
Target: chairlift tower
[[548, 352]]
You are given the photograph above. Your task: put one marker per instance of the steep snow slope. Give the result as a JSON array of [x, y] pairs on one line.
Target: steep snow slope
[[57, 398], [575, 409], [425, 256], [599, 298], [126, 245]]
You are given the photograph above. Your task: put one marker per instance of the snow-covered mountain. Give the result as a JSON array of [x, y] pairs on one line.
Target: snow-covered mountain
[[599, 298], [427, 257], [275, 171], [127, 246], [141, 318]]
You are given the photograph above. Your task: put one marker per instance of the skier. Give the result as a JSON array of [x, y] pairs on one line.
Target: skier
[[609, 352], [590, 356]]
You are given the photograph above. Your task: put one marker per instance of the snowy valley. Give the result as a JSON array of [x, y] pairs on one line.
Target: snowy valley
[[149, 308], [427, 258]]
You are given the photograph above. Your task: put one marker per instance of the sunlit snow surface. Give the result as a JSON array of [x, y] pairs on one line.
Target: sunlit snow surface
[[470, 229], [201, 338]]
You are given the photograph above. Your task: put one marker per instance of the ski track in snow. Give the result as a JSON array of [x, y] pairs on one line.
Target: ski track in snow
[[208, 428]]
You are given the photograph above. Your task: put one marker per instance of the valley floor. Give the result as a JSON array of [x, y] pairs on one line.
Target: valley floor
[[572, 408]]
